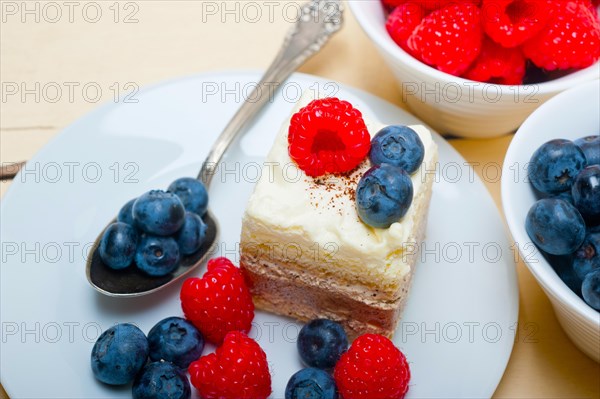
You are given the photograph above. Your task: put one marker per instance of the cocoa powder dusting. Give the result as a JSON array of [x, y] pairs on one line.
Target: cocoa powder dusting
[[339, 185]]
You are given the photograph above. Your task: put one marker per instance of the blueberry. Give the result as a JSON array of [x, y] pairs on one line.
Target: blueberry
[[593, 229], [555, 165], [311, 383], [175, 340], [192, 235], [161, 380], [158, 212], [565, 195], [555, 226], [117, 246], [587, 257], [192, 193], [563, 266], [586, 193], [590, 146], [119, 354], [591, 289], [383, 195], [399, 146], [321, 342], [126, 213], [157, 256]]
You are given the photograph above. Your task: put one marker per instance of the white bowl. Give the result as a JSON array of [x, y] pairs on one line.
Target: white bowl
[[454, 105], [570, 115]]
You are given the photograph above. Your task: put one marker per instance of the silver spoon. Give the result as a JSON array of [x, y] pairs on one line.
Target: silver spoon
[[317, 22]]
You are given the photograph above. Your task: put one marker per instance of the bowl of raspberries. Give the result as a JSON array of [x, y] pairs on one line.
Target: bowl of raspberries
[[479, 68], [551, 199]]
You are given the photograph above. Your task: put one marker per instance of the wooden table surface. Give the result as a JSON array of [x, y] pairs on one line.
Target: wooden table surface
[[105, 45]]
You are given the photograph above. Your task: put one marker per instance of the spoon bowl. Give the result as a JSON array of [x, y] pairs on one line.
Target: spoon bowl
[[132, 282]]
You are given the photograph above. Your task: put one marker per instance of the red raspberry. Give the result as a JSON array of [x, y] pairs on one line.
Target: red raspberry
[[449, 38], [218, 302], [570, 40], [512, 22], [391, 4], [372, 368], [437, 4], [428, 5], [497, 64], [592, 5], [403, 21], [237, 370], [328, 136]]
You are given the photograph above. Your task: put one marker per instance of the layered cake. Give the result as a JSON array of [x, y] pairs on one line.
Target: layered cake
[[323, 235]]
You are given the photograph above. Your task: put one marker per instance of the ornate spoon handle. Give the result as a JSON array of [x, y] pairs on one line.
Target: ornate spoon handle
[[317, 22]]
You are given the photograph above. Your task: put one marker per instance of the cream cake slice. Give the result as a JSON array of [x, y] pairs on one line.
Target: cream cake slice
[[305, 253]]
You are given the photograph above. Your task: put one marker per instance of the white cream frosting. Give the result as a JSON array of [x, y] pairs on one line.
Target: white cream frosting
[[320, 221]]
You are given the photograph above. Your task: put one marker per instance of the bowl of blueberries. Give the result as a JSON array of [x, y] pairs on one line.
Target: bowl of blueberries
[[551, 200]]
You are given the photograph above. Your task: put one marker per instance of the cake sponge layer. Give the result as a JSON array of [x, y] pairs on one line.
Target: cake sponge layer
[[307, 299]]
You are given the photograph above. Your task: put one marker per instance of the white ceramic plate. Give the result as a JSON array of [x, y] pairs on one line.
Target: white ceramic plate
[[459, 325]]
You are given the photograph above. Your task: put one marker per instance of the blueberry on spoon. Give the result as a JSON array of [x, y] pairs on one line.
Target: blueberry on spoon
[[158, 212], [192, 194], [157, 256], [118, 245]]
